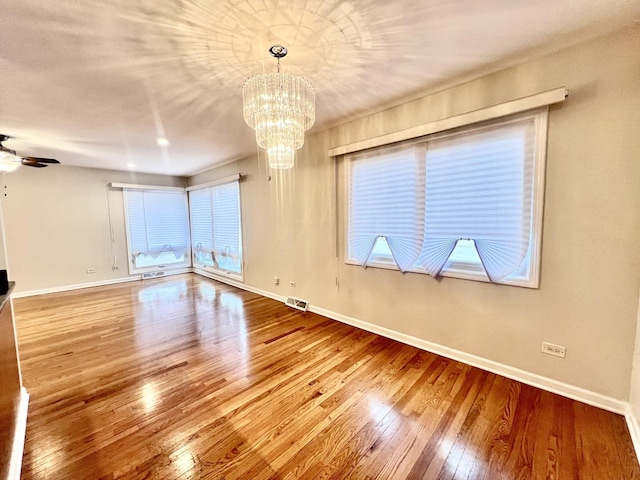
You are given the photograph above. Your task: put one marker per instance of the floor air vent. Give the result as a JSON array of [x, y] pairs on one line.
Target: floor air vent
[[297, 303], [152, 275]]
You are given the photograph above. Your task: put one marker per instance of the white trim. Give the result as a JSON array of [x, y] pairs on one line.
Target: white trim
[[77, 286], [166, 268], [531, 279], [539, 193], [241, 286], [15, 463], [101, 283], [214, 183], [15, 333], [167, 272], [236, 277], [548, 384], [634, 429], [217, 165], [545, 383], [496, 111], [199, 265], [131, 264], [135, 186]]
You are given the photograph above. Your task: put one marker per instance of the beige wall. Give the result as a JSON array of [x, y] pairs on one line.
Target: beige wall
[[57, 225], [588, 297]]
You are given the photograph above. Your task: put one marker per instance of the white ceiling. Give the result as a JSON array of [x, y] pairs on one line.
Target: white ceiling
[[94, 83]]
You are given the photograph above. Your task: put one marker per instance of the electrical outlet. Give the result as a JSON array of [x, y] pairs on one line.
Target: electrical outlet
[[276, 281], [91, 270], [551, 349], [292, 283]]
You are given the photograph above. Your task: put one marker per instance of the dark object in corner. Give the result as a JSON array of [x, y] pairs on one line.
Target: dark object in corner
[[4, 282]]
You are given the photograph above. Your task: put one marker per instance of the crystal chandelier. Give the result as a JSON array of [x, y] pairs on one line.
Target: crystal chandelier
[[280, 107]]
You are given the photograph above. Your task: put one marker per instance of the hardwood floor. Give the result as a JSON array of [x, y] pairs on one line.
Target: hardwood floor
[[187, 378]]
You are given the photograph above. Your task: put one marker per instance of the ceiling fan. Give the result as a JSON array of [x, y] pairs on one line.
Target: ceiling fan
[[9, 161]]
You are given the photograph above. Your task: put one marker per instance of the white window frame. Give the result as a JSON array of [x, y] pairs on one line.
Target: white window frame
[[529, 277], [224, 273], [133, 269]]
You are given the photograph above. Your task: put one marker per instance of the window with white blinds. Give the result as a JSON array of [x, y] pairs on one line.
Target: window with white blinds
[[387, 199], [157, 229], [216, 230], [466, 203]]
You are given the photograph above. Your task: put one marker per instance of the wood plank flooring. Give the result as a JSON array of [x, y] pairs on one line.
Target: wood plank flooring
[[187, 378]]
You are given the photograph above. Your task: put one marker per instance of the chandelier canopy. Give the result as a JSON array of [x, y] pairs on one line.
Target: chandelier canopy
[[280, 107]]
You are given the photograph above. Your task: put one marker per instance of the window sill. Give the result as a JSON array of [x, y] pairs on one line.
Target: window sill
[[157, 268], [238, 277], [524, 282]]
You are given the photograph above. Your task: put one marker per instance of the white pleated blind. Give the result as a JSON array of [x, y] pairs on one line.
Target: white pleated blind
[[479, 187], [158, 222], [136, 221], [201, 220], [226, 220], [387, 199], [465, 203], [215, 223]]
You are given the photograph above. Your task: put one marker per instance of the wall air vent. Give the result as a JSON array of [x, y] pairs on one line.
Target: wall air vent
[[148, 275], [297, 303]]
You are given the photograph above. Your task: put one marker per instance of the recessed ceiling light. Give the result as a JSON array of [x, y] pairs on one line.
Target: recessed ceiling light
[[131, 165], [162, 142]]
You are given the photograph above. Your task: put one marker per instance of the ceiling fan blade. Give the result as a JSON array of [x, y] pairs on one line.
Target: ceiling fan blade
[[32, 163], [41, 160]]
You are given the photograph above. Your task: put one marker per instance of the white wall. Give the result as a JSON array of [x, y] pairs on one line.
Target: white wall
[[588, 297], [57, 224]]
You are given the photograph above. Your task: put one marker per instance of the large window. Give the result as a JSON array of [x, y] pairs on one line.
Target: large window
[[464, 203], [216, 230], [157, 229]]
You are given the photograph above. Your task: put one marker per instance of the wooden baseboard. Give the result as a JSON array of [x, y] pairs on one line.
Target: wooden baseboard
[[15, 464]]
